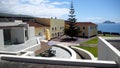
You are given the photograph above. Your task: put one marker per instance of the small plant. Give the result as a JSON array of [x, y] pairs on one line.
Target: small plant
[[48, 53]]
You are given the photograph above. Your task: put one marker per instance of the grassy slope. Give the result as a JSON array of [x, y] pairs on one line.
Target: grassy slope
[[93, 50], [92, 41]]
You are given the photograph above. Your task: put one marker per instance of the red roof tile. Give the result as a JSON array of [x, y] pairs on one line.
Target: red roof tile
[[35, 24], [86, 23], [83, 23]]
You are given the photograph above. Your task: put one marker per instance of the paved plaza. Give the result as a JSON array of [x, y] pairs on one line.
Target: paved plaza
[[70, 43]]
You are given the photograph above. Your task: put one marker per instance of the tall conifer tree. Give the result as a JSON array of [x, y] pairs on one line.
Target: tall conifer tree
[[72, 30]]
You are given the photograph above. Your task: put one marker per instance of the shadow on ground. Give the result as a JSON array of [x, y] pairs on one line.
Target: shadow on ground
[[68, 39]]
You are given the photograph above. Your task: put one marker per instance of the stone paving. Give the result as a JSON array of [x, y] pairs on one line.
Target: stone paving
[[70, 43]]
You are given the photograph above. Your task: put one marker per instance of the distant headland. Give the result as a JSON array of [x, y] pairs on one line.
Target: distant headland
[[108, 22]]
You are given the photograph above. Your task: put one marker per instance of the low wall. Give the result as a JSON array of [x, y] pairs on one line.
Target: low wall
[[108, 52], [28, 53], [9, 53], [72, 52], [85, 54], [31, 62], [30, 45], [32, 48]]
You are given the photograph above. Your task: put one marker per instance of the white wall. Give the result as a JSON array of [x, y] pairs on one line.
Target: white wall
[[31, 32], [45, 62], [18, 35], [89, 31], [1, 39], [32, 48], [107, 52]]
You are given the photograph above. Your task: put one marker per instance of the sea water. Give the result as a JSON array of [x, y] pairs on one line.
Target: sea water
[[109, 27]]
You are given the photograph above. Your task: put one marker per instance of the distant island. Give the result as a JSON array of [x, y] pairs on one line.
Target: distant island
[[108, 22]]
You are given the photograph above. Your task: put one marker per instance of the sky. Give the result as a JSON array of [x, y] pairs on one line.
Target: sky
[[96, 11]]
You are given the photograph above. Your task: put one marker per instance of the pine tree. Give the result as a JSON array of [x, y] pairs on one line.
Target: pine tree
[[72, 30]]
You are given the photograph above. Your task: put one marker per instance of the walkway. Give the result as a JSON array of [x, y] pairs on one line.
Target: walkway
[[73, 43]]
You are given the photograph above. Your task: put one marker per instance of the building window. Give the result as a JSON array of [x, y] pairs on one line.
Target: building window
[[55, 34], [60, 28], [83, 27], [26, 34], [83, 34], [58, 33], [55, 28], [90, 27], [79, 27], [95, 27], [63, 27], [52, 28], [52, 34]]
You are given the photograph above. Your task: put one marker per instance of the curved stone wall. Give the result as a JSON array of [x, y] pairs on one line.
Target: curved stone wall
[[83, 53], [72, 52]]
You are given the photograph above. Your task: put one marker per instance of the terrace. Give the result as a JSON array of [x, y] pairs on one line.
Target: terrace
[[108, 49], [108, 57], [115, 43]]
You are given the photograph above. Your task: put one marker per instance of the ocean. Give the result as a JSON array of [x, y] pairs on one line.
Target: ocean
[[109, 27]]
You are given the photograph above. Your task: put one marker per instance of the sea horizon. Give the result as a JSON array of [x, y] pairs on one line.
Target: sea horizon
[[105, 27]]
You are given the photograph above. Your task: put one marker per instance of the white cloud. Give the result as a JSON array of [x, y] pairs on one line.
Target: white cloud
[[34, 2], [94, 18], [60, 3], [39, 8]]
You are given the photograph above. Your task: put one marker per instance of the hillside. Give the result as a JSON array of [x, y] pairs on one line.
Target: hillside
[[13, 15]]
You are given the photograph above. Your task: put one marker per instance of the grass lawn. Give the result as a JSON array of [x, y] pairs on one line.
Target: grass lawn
[[92, 41], [92, 49]]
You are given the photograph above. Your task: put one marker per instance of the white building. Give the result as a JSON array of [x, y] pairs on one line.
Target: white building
[[14, 33]]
